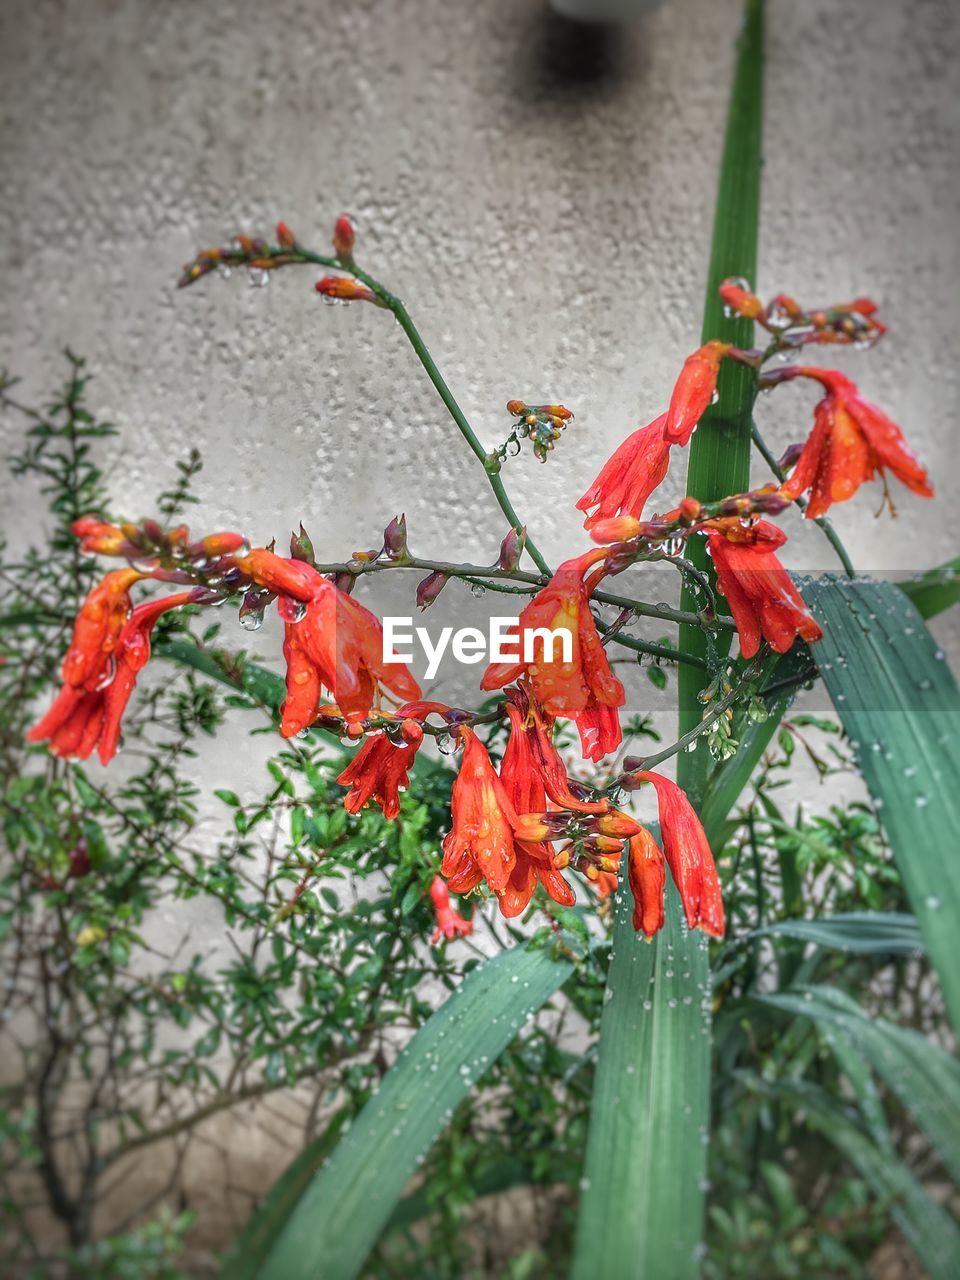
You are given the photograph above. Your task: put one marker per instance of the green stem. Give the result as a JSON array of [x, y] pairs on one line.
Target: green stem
[[490, 465], [719, 462]]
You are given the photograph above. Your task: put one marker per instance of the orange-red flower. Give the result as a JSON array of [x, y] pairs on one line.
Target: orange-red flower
[[693, 391], [851, 440], [688, 857], [531, 768], [480, 845], [344, 238], [626, 481], [380, 769], [97, 629], [583, 689], [330, 640], [88, 714], [647, 875], [449, 922], [758, 589]]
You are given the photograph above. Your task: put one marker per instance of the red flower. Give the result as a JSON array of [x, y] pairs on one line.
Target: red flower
[[851, 440], [97, 629], [449, 922], [627, 480], [380, 770], [88, 715], [330, 640], [480, 845], [648, 877], [532, 769], [583, 689], [693, 391], [758, 589], [688, 857]]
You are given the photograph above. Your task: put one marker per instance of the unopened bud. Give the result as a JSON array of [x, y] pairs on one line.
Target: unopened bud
[[616, 823], [215, 545], [395, 538], [411, 732], [285, 237], [301, 548], [345, 289], [511, 549], [517, 408], [430, 588], [736, 293], [616, 529], [344, 238], [621, 557]]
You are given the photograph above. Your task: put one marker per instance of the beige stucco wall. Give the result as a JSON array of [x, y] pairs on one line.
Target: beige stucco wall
[[540, 197]]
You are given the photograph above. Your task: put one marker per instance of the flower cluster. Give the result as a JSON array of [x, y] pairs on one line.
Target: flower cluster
[[522, 823]]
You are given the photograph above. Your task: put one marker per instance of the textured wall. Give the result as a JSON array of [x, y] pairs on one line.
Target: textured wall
[[540, 195], [542, 199]]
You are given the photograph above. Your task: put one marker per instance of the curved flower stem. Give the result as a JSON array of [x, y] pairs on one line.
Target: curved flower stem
[[485, 576], [490, 463], [829, 532], [714, 712]]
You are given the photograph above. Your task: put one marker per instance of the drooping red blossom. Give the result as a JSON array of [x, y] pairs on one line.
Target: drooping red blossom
[[380, 769], [851, 441], [535, 762], [694, 391], [97, 629], [758, 589], [646, 871], [330, 640], [688, 857], [628, 478], [88, 715], [480, 844], [583, 689], [449, 921]]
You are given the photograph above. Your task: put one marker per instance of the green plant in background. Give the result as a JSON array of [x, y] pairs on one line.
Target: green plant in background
[[779, 1102]]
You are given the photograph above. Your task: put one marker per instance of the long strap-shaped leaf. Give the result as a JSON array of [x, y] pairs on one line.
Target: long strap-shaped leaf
[[642, 1208], [341, 1214], [926, 1225], [900, 707], [922, 1075], [646, 1150]]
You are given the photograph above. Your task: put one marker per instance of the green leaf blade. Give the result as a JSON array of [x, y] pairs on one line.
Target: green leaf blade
[[647, 1143], [900, 707], [343, 1211]]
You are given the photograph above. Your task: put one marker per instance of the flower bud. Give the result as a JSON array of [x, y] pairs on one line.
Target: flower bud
[[737, 295], [301, 548], [517, 408], [215, 545], [395, 538], [411, 732], [344, 289], [616, 823], [511, 549], [430, 588], [344, 238], [616, 529], [285, 237]]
